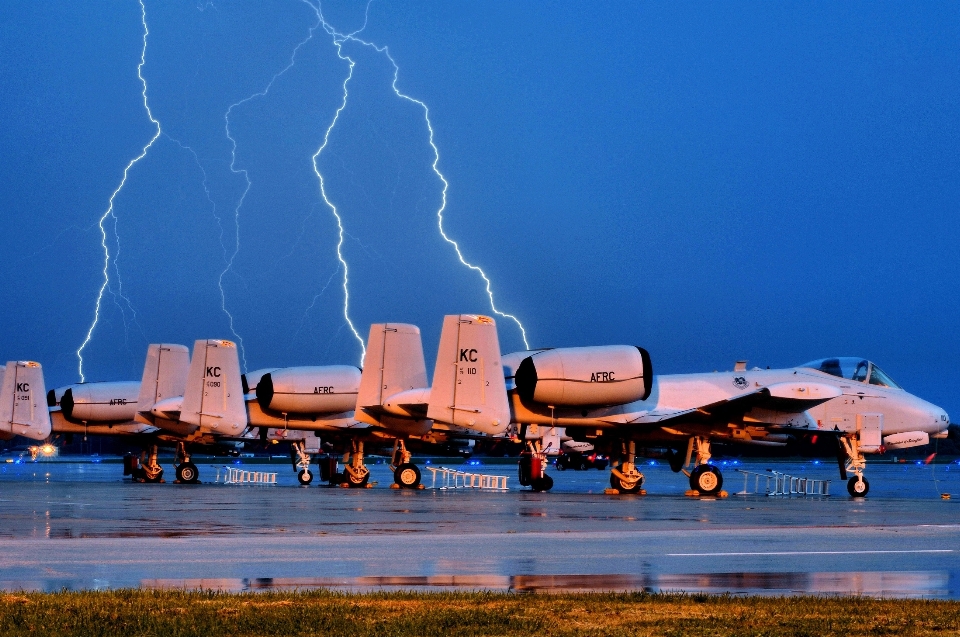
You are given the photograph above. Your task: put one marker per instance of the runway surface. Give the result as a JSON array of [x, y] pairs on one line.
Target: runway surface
[[80, 526]]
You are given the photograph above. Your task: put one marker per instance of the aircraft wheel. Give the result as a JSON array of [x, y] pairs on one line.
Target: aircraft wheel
[[542, 484], [338, 479], [354, 482], [561, 464], [305, 477], [187, 472], [157, 477], [706, 479], [858, 488], [625, 486], [407, 475]]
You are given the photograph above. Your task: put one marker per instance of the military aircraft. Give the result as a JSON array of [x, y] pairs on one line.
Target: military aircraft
[[207, 401], [608, 396], [181, 401], [388, 401], [22, 410]]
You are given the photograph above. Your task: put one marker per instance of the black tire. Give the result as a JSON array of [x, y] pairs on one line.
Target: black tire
[[337, 479], [407, 476], [187, 473], [623, 486], [305, 477], [156, 478], [542, 484], [353, 482], [706, 479], [858, 488], [561, 464]]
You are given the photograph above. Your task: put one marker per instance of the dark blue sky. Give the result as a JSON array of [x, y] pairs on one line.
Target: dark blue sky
[[712, 181]]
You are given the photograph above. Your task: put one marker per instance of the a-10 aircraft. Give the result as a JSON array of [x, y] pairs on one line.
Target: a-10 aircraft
[[609, 396], [603, 396], [206, 401]]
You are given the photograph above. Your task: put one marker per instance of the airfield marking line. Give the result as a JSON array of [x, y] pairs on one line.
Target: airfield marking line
[[813, 552]]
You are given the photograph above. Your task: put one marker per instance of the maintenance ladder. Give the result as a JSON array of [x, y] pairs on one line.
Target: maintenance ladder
[[232, 475], [783, 484], [456, 479]]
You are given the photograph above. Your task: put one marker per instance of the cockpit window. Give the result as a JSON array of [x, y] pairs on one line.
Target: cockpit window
[[855, 369], [878, 377]]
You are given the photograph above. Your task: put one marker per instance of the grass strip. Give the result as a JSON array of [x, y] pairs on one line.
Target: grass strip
[[129, 613]]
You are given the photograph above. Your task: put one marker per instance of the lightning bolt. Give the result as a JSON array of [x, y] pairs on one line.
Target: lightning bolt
[[338, 40], [326, 199], [105, 286], [229, 260]]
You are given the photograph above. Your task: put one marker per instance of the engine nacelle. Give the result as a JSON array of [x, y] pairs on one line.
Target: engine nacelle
[[100, 402], [582, 376], [330, 389]]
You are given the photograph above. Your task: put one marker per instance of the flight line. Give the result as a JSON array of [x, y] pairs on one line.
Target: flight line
[[603, 398]]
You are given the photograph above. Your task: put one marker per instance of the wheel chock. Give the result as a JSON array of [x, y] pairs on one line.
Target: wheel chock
[[394, 486], [693, 493], [421, 487], [945, 496], [611, 492]]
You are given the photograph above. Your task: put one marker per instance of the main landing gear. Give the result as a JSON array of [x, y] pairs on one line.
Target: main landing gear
[[301, 461], [406, 475], [533, 466], [625, 478], [857, 486], [355, 473], [187, 472], [143, 468], [705, 478]]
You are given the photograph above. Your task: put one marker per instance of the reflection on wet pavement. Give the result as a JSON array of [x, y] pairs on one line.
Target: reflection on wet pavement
[[73, 525]]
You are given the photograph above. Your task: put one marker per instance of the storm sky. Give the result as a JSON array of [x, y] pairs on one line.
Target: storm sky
[[712, 181]]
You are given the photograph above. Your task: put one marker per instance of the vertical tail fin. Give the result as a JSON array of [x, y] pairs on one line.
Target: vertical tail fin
[[23, 401], [394, 364], [468, 384], [164, 376], [213, 398]]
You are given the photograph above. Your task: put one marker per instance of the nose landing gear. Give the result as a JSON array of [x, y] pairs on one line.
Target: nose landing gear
[[301, 461], [857, 486]]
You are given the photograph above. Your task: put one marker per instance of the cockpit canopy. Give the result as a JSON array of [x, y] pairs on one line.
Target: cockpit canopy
[[855, 369]]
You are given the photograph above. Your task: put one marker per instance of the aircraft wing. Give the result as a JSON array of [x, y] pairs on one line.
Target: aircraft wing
[[788, 397]]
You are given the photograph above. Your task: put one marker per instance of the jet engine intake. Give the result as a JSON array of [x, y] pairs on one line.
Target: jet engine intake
[[582, 376], [310, 390]]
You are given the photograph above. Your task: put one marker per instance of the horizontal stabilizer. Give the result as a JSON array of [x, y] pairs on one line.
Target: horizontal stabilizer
[[469, 389], [23, 401]]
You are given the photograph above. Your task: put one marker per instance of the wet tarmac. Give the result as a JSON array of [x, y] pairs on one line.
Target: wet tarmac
[[80, 526]]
